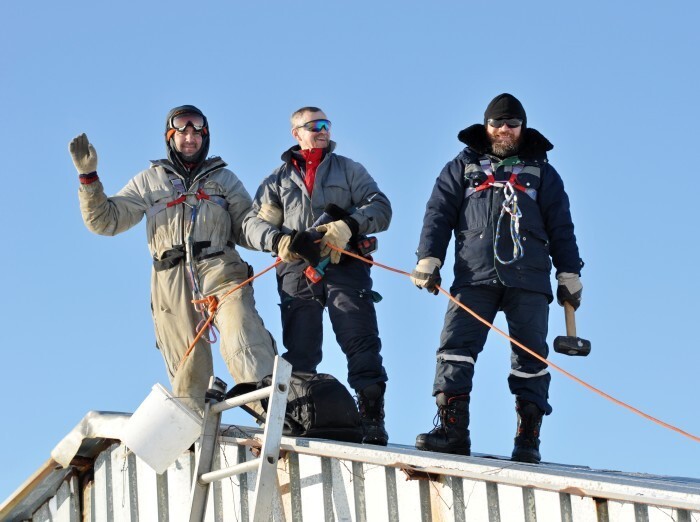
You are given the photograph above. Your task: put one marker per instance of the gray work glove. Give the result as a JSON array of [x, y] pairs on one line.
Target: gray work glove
[[336, 233], [283, 251], [272, 214], [427, 274], [569, 289], [83, 154]]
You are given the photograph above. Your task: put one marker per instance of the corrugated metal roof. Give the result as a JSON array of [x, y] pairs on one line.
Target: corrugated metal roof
[[328, 480]]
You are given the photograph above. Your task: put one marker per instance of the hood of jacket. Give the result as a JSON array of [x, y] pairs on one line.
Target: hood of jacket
[[204, 168], [532, 146]]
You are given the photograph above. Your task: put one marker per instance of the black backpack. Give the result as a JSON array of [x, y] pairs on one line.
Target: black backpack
[[318, 406]]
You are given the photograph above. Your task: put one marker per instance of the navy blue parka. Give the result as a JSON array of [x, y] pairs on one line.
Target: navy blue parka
[[546, 227]]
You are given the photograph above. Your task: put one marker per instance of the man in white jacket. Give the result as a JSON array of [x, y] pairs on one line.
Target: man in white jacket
[[194, 208]]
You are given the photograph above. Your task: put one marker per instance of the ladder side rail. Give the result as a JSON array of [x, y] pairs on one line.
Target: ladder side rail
[[205, 454], [267, 480]]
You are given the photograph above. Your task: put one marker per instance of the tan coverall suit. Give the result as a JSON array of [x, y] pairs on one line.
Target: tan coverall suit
[[248, 349]]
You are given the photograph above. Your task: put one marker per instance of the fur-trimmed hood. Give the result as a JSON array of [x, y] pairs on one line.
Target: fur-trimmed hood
[[533, 146]]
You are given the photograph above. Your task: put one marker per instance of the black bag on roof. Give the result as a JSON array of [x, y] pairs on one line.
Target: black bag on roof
[[318, 406]]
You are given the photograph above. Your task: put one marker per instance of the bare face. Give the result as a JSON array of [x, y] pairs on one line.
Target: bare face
[[504, 140], [188, 142], [308, 138]]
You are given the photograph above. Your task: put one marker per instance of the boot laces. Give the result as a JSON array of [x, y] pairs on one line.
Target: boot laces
[[440, 420], [529, 422], [369, 409]]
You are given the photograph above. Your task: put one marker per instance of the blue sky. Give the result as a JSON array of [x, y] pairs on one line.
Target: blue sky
[[612, 86]]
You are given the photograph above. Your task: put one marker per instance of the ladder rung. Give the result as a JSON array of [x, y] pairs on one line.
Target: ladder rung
[[238, 469], [262, 393]]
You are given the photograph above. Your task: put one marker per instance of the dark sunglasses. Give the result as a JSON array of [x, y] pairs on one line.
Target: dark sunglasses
[[316, 125], [181, 121], [513, 123]]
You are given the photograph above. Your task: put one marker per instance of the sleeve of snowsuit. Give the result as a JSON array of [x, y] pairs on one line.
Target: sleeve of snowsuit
[[239, 205], [109, 216]]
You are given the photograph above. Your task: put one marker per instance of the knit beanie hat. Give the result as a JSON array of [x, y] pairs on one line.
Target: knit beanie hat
[[505, 106]]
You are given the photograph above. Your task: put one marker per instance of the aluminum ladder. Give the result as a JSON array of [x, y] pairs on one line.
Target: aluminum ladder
[[265, 463]]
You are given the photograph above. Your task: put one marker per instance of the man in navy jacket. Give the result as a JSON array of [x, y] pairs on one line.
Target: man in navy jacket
[[509, 213]]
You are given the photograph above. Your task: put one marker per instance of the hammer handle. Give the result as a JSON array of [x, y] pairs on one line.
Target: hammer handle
[[570, 319]]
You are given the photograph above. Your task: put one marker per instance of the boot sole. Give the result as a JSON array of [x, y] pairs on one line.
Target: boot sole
[[376, 442], [526, 458], [453, 451]]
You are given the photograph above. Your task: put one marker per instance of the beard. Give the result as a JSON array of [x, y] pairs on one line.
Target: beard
[[189, 158], [504, 146]]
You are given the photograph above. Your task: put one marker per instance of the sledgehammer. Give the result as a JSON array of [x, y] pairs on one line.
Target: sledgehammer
[[570, 344]]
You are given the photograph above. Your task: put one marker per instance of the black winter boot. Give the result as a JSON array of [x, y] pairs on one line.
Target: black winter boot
[[451, 433], [370, 402], [527, 441]]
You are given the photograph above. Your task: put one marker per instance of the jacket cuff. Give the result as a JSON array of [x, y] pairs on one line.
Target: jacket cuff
[[276, 242], [353, 225], [86, 179]]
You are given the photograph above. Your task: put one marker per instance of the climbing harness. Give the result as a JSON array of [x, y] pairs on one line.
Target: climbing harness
[[182, 192], [508, 207], [173, 256]]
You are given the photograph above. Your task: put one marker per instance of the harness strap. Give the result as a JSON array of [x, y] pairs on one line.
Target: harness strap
[[491, 180], [179, 187], [171, 258], [508, 207]]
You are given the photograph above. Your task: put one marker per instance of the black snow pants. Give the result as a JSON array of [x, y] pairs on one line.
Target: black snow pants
[[463, 338], [346, 291]]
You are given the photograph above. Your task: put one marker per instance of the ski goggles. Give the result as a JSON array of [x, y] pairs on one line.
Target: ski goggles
[[181, 121], [513, 123], [316, 125]]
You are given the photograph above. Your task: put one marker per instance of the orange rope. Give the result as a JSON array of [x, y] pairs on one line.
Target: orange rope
[[528, 350], [213, 308]]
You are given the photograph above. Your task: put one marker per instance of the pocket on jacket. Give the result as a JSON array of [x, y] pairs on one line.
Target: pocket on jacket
[[476, 209], [474, 248], [338, 195], [536, 245]]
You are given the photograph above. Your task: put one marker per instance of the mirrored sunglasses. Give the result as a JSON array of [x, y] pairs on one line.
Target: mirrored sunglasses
[[181, 121], [512, 123], [316, 125]]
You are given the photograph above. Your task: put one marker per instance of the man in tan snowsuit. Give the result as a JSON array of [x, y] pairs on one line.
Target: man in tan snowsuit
[[194, 208]]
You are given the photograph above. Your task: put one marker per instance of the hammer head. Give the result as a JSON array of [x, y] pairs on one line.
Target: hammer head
[[572, 345]]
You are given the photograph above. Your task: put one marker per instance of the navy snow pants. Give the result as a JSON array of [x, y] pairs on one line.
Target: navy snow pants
[[346, 291], [463, 338]]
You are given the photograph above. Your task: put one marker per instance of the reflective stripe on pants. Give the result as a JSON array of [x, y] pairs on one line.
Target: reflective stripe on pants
[[463, 338]]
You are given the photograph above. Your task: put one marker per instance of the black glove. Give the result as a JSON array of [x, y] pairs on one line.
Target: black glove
[[283, 250]]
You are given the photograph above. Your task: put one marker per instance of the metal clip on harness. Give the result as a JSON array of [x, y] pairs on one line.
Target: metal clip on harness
[[510, 207]]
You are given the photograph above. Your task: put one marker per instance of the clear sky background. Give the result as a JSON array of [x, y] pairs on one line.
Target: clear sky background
[[614, 86]]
